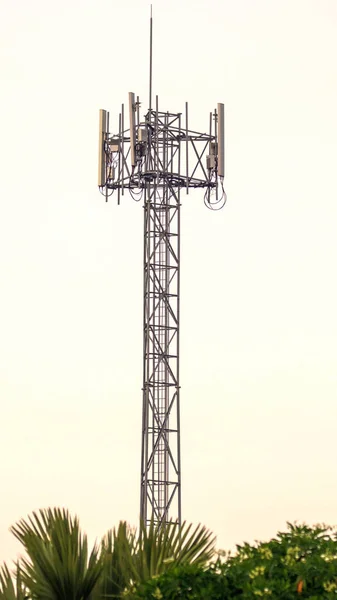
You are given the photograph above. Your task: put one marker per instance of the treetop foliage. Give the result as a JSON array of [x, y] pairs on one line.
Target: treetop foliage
[[166, 563]]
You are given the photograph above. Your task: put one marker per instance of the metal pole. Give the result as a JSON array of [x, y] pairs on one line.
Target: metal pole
[[150, 78]]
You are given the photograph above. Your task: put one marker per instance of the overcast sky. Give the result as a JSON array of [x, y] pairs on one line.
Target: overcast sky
[[259, 294]]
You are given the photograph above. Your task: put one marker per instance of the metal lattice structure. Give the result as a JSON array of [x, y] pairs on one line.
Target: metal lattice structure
[[154, 160]]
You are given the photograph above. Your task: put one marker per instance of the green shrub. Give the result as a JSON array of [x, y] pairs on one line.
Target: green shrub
[[188, 582], [298, 563]]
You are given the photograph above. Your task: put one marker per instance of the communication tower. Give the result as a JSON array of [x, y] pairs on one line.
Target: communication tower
[[153, 159]]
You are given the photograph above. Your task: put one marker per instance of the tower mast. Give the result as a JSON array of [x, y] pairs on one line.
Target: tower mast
[[154, 160]]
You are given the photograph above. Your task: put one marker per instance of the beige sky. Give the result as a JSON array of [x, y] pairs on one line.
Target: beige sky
[[259, 326]]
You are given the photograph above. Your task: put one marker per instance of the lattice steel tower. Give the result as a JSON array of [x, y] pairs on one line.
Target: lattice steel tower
[[154, 159]]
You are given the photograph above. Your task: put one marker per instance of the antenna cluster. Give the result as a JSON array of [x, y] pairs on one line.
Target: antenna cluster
[[160, 149]]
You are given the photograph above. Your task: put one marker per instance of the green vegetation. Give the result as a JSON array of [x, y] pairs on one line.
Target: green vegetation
[[57, 564], [298, 563], [170, 563], [187, 582], [301, 561], [11, 588]]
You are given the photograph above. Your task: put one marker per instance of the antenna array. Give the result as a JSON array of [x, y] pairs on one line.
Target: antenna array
[[161, 150]]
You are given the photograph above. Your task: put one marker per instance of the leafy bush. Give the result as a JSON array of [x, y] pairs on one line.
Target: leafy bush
[[300, 563], [187, 582]]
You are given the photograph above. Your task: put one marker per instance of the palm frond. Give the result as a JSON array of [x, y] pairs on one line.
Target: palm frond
[[58, 566], [117, 550], [156, 549], [8, 589]]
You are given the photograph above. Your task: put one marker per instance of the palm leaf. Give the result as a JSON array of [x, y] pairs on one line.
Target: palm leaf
[[157, 549], [118, 547], [9, 591], [58, 566]]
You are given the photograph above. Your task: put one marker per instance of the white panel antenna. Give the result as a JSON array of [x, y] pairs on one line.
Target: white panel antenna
[[132, 128], [221, 140], [103, 130]]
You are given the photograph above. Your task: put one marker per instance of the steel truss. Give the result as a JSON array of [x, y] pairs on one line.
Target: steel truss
[[161, 465], [168, 158]]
